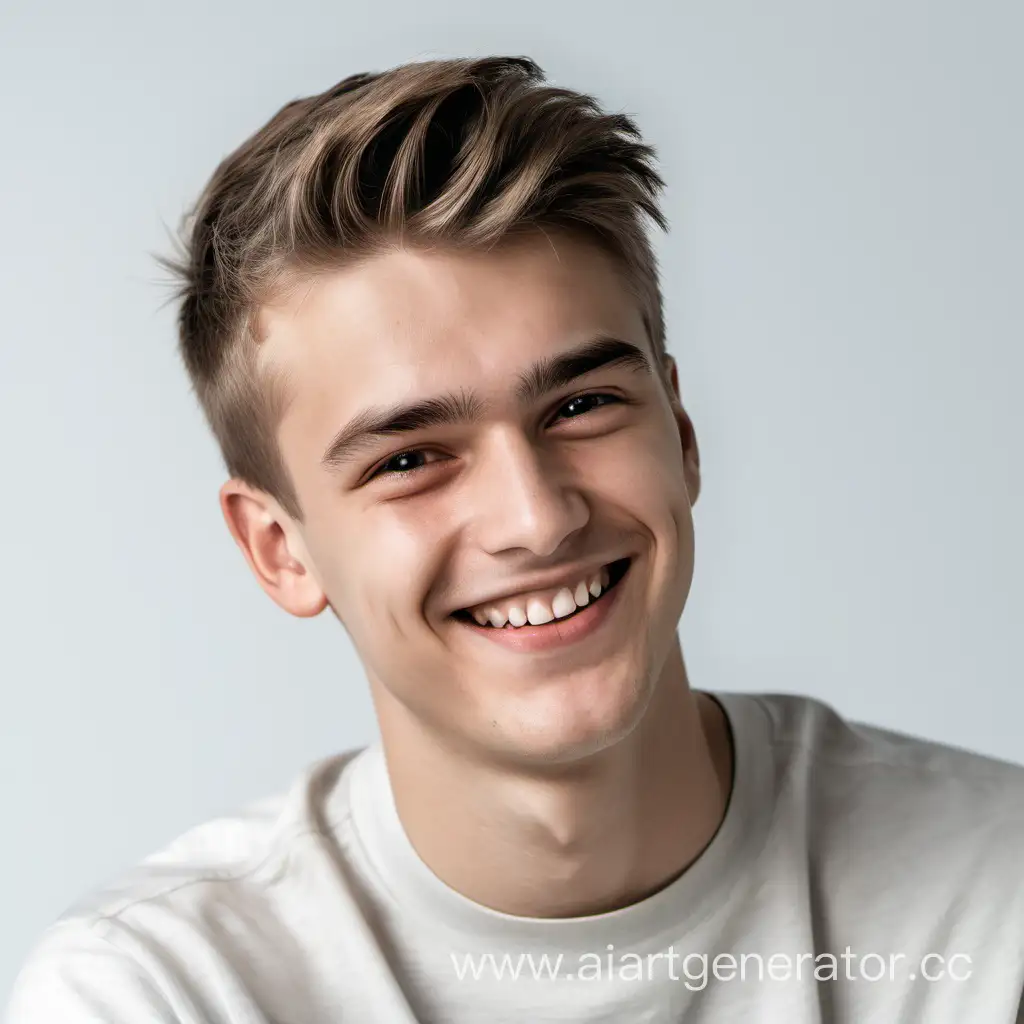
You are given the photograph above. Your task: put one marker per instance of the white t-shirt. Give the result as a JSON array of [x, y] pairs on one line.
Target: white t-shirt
[[857, 876]]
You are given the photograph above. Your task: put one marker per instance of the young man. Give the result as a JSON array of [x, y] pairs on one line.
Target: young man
[[422, 316]]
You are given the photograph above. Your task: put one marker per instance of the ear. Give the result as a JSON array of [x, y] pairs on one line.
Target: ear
[[687, 435], [273, 548]]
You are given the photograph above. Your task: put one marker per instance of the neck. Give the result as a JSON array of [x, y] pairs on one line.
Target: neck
[[581, 842]]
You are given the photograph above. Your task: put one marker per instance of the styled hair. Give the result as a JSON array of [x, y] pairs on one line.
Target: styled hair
[[459, 154]]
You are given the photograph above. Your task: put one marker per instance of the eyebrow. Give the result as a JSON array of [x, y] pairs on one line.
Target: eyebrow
[[543, 377]]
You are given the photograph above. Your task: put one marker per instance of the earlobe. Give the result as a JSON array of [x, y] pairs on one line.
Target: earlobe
[[687, 435], [691, 458], [671, 373], [691, 455], [272, 549]]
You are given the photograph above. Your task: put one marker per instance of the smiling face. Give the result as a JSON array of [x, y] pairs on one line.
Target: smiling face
[[543, 446]]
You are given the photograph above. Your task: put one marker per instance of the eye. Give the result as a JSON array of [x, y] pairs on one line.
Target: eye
[[581, 404], [407, 463], [404, 463]]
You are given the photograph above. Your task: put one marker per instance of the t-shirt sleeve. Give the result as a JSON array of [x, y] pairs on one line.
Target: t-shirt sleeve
[[75, 975]]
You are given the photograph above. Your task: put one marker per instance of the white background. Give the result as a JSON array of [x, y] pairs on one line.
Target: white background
[[843, 288]]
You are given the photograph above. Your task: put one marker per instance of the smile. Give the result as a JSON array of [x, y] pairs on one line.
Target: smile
[[576, 621], [540, 609]]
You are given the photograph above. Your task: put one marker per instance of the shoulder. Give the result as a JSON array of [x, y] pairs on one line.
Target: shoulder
[[894, 841], [890, 791], [806, 730], [115, 954], [77, 972]]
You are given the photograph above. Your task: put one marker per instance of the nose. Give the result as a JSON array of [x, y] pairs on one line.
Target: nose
[[522, 500]]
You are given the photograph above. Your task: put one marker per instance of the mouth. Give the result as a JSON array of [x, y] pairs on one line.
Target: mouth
[[591, 611]]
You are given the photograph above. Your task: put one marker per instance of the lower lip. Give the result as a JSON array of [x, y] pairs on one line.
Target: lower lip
[[558, 633]]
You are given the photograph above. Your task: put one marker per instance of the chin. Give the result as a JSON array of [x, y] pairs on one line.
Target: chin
[[580, 720]]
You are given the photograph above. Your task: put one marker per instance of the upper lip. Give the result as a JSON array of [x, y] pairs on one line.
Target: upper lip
[[565, 577]]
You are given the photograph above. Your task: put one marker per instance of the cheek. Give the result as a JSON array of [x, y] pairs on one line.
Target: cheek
[[644, 473], [645, 479], [384, 562]]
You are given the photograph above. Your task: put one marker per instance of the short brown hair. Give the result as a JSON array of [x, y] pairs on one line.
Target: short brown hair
[[456, 153]]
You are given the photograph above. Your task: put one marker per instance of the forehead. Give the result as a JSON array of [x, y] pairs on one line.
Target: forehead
[[409, 324]]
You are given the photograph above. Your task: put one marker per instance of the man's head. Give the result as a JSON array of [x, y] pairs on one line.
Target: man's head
[[422, 316]]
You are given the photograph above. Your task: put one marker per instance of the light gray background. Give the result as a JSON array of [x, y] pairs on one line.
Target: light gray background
[[843, 287]]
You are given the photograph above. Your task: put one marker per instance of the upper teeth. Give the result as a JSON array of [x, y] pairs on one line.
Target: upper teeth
[[542, 607]]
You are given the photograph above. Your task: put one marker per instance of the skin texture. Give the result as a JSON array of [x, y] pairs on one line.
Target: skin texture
[[545, 784]]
